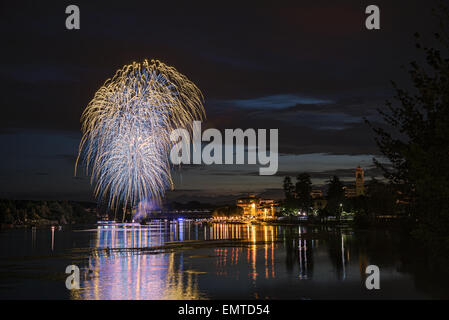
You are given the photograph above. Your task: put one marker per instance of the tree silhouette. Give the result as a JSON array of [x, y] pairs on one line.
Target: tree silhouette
[[335, 196], [416, 139], [303, 189]]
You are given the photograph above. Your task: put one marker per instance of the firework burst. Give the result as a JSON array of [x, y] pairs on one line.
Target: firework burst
[[126, 131]]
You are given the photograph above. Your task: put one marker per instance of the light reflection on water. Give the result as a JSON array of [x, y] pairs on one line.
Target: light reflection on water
[[120, 274], [265, 254], [190, 260]]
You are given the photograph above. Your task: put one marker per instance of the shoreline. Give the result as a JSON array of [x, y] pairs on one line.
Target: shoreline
[[399, 223]]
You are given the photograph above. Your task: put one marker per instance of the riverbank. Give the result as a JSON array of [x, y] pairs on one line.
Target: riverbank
[[30, 224], [377, 223], [35, 213]]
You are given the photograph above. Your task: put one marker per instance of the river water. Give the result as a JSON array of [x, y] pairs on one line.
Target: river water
[[191, 260]]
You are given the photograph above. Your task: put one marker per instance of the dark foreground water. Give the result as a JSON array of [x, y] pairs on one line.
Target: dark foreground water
[[189, 260]]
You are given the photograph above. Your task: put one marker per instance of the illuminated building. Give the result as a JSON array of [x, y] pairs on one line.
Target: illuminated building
[[359, 189], [316, 193], [318, 200], [319, 203], [256, 207], [349, 192], [359, 182]]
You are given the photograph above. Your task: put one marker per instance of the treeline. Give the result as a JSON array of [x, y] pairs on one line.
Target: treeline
[[379, 199], [27, 212]]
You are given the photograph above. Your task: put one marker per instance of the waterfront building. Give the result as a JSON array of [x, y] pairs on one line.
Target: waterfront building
[[257, 208]]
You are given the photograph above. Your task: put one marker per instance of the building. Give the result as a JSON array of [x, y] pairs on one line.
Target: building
[[319, 203], [359, 188], [316, 194], [350, 191], [359, 181], [257, 208]]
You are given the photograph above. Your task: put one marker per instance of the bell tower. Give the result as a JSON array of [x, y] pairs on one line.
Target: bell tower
[[359, 181]]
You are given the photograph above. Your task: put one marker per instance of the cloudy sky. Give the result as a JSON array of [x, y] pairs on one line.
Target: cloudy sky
[[309, 69]]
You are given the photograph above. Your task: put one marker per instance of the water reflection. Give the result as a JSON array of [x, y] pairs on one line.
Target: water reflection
[[135, 276], [132, 275], [175, 273], [189, 260]]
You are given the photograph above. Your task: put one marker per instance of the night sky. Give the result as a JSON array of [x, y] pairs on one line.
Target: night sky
[[309, 68]]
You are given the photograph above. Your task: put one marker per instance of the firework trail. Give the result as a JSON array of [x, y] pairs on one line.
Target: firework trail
[[126, 131]]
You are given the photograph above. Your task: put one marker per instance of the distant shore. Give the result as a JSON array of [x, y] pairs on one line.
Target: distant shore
[[397, 223]]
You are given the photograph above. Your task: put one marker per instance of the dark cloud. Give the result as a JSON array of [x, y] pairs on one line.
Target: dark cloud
[[337, 128], [273, 102]]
